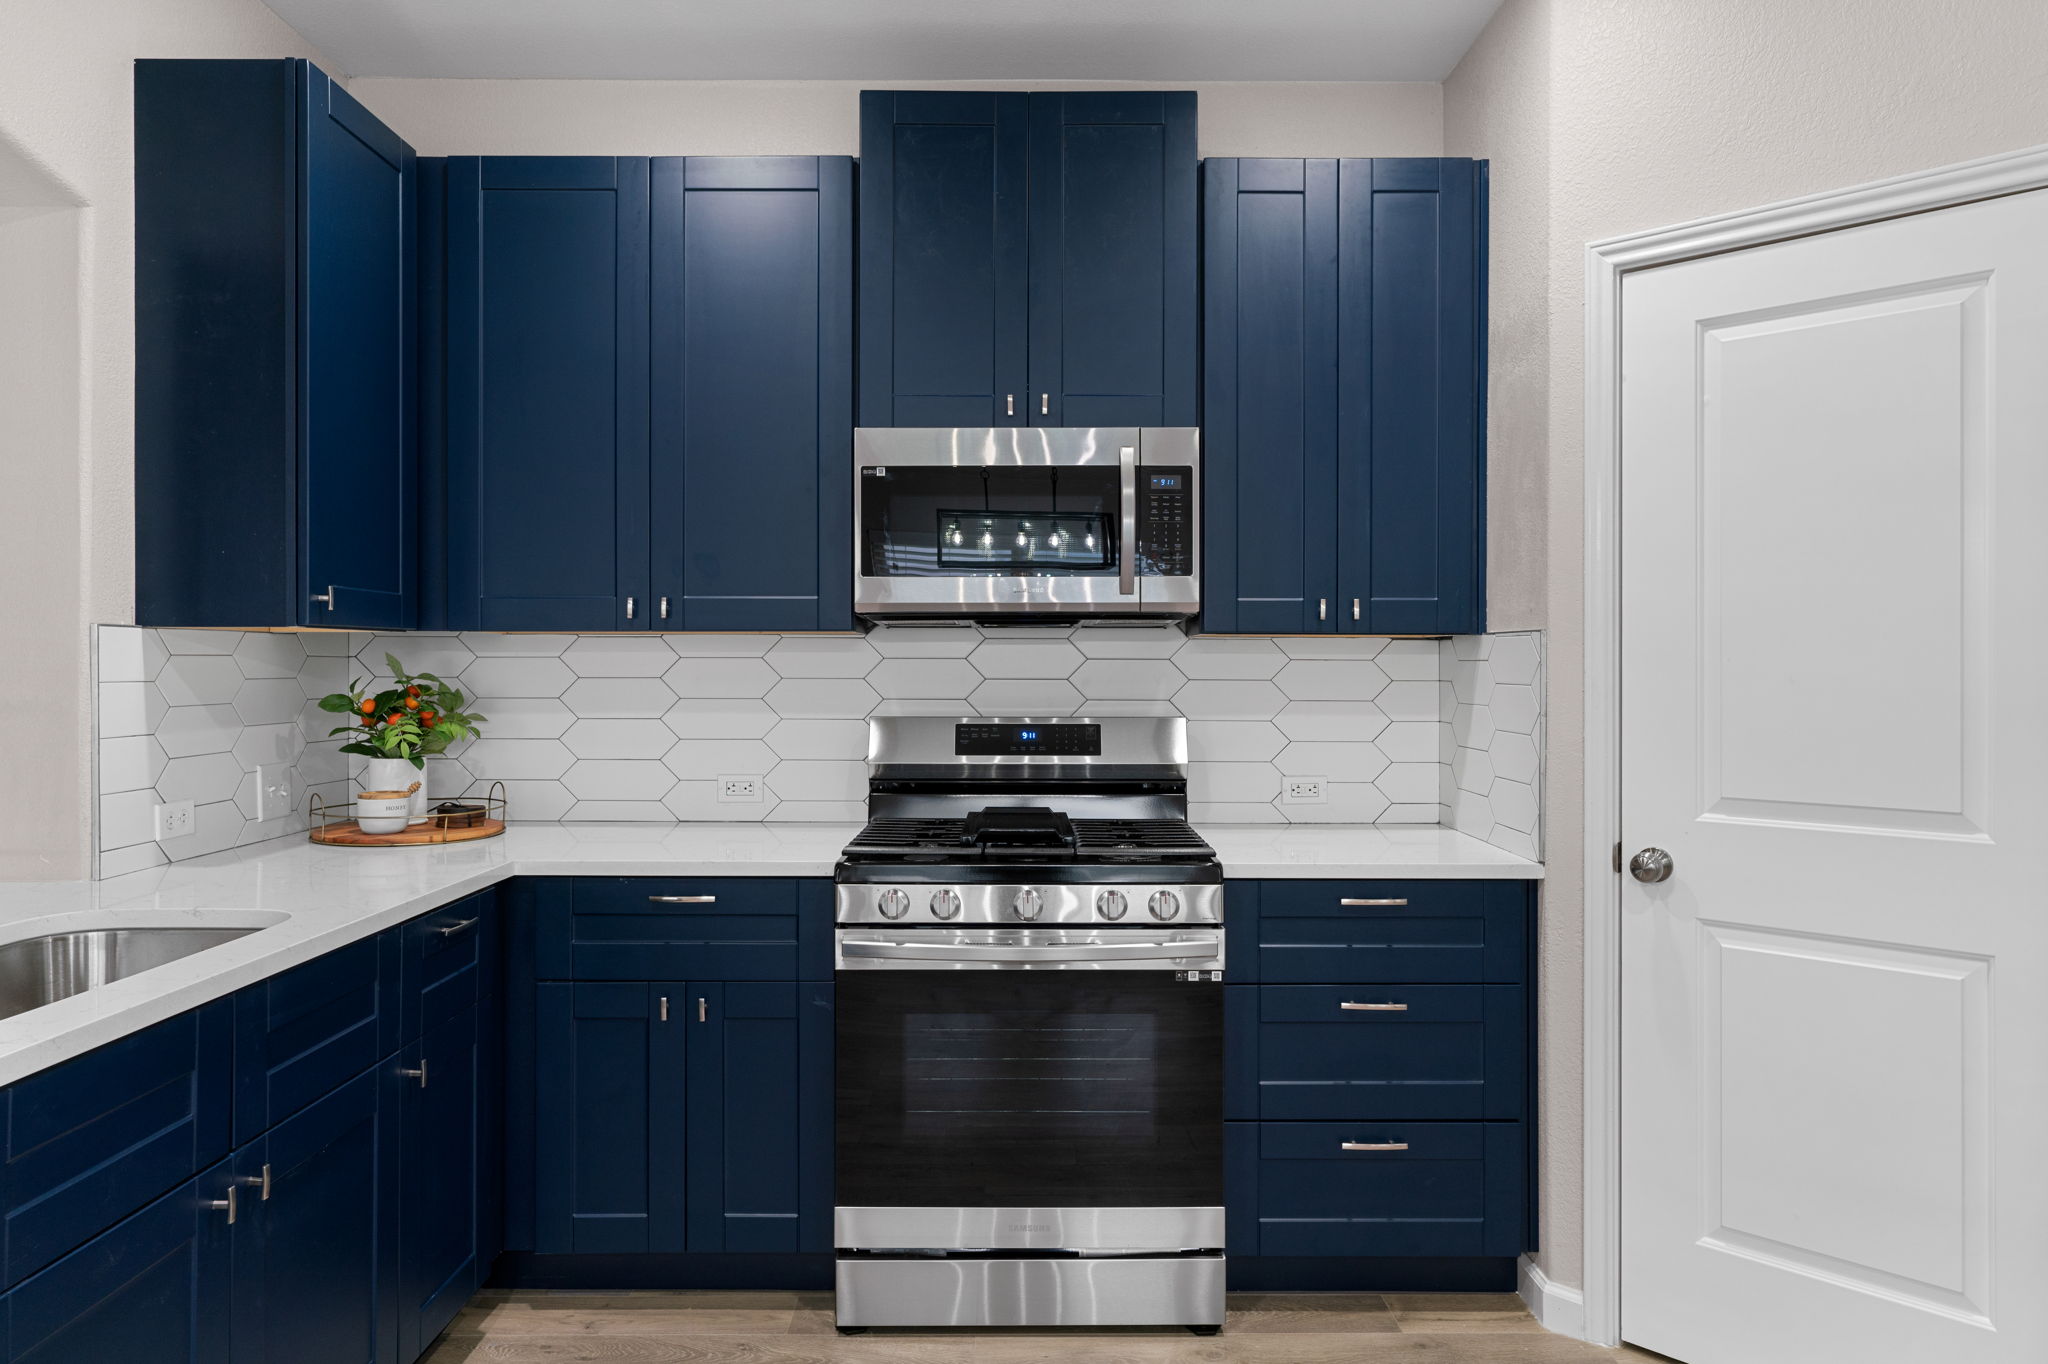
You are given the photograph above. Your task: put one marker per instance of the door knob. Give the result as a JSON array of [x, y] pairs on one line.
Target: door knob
[[1650, 866]]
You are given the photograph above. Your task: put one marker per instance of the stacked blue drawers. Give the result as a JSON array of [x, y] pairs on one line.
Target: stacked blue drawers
[[1378, 1072]]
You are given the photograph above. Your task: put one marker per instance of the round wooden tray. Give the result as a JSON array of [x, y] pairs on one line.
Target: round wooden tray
[[346, 833]]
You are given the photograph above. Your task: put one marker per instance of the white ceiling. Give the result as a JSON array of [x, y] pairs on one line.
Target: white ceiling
[[1169, 40]]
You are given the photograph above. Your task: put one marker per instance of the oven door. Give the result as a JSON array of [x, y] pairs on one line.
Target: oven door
[[1019, 520], [1076, 1104]]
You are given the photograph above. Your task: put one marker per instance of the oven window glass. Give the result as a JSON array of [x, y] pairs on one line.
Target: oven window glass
[[1053, 521], [1029, 1089]]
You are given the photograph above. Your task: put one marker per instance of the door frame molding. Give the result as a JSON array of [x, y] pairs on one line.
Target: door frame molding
[[1607, 262]]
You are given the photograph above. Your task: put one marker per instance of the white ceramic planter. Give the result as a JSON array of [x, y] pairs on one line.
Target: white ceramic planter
[[395, 774]]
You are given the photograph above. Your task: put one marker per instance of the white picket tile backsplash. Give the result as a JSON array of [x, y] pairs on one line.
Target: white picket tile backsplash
[[1491, 709], [609, 727]]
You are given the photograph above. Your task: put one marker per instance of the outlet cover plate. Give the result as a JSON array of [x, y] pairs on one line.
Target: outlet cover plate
[[739, 790], [175, 819], [1305, 791]]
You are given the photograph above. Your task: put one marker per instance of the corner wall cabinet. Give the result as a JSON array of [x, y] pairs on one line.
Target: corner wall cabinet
[[275, 376], [633, 343], [1028, 259], [1344, 385]]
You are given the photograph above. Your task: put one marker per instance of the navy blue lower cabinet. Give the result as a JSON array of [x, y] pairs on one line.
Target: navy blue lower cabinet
[[684, 928], [444, 1127], [609, 1101], [316, 1244], [154, 1287], [1384, 931], [758, 1123], [94, 1139], [301, 1034], [1377, 1189], [753, 393]]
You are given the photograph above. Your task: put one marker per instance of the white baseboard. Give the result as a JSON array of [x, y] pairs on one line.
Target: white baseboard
[[1557, 1307]]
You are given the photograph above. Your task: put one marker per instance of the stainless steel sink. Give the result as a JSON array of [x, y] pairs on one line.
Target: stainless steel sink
[[39, 971]]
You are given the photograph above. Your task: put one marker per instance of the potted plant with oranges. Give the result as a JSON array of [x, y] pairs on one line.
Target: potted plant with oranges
[[417, 716]]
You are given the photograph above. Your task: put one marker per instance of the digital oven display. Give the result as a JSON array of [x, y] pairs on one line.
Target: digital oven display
[[1007, 741]]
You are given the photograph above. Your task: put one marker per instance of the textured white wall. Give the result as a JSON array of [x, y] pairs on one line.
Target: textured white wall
[[1610, 116], [817, 118], [66, 138]]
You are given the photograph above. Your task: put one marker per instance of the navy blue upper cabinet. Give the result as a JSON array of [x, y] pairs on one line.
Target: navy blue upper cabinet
[[1343, 389], [1113, 259], [275, 393], [547, 409], [1027, 259], [752, 393]]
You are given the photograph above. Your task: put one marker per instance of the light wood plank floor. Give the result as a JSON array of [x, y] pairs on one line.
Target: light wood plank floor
[[796, 1328]]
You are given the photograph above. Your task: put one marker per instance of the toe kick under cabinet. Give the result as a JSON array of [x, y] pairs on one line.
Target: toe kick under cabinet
[[1378, 1083]]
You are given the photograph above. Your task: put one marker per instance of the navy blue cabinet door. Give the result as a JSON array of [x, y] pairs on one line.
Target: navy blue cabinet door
[[609, 1117], [1411, 455], [1270, 395], [155, 1287], [1343, 391], [441, 1145], [1113, 293], [547, 413], [943, 245], [316, 1237], [275, 385], [759, 1117], [753, 392]]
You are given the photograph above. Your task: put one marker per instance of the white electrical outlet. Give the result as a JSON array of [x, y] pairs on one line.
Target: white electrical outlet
[[273, 791], [739, 790], [1303, 791], [175, 819]]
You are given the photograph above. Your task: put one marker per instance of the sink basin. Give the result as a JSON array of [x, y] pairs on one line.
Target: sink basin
[[39, 971]]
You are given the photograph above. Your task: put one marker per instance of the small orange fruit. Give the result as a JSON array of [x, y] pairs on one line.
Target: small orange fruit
[[369, 704]]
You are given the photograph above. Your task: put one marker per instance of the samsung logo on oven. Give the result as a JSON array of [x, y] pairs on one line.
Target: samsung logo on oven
[[1029, 1226]]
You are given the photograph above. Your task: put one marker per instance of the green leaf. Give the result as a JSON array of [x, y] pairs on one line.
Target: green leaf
[[397, 668], [338, 701]]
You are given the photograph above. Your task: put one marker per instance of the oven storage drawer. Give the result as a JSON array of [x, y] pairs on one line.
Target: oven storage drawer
[[1377, 1188], [1377, 1052], [1445, 932], [676, 928]]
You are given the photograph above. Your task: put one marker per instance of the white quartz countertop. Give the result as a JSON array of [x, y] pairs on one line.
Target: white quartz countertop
[[307, 900]]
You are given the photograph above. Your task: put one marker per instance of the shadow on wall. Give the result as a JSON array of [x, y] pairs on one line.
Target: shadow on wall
[[45, 826]]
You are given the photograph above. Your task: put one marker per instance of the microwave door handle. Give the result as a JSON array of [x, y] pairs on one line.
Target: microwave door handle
[[1127, 558], [1182, 949]]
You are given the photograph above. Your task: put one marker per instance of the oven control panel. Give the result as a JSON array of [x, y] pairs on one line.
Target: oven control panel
[[1124, 905], [1166, 521], [1033, 740]]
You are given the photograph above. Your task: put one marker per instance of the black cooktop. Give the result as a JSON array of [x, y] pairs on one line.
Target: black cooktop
[[1032, 834]]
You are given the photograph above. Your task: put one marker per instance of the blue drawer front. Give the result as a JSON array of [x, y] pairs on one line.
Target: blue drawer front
[[445, 957], [671, 928], [1402, 1051], [90, 1141], [301, 1035], [1446, 932], [1434, 1189]]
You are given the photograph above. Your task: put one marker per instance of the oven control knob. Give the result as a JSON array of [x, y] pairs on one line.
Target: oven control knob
[[1111, 904], [1164, 904], [894, 904], [1029, 904], [945, 904]]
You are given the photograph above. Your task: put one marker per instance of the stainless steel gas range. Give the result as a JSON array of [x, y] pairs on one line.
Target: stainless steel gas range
[[1030, 1031]]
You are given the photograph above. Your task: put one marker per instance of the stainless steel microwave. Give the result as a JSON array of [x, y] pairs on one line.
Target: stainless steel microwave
[[1026, 521]]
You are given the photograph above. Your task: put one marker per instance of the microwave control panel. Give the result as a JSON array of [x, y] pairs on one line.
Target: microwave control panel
[[1166, 520]]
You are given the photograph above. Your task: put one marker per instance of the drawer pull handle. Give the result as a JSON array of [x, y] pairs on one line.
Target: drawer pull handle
[[1375, 1008], [459, 926], [1372, 904], [1373, 1146], [682, 899]]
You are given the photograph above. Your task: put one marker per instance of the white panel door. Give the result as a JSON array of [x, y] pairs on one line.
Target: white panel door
[[1835, 720]]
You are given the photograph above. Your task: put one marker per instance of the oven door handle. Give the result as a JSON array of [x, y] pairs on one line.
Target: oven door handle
[[1127, 532], [1195, 949]]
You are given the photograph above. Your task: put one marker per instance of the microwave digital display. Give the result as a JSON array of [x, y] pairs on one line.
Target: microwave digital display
[[1167, 483]]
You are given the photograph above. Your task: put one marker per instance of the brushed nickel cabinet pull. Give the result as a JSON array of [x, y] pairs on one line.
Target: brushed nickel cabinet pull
[[459, 926], [700, 1011], [664, 608], [1372, 904], [1354, 608], [227, 1204], [664, 1008], [1375, 1008], [420, 1074], [1322, 608], [629, 608], [327, 597], [261, 1183], [1045, 404], [1372, 1145], [682, 899], [1009, 404]]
